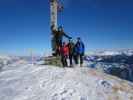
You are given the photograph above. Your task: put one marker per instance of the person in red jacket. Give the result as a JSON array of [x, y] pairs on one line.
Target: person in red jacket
[[64, 50]]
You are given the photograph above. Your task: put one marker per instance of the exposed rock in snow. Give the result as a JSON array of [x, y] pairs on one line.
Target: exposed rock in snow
[[4, 60], [39, 82]]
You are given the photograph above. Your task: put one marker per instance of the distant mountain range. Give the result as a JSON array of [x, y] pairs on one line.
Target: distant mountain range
[[127, 52], [118, 63]]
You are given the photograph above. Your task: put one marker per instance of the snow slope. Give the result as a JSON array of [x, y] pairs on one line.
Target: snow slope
[[41, 82]]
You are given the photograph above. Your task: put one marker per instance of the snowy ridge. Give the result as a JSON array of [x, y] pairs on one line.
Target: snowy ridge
[[21, 80], [39, 82]]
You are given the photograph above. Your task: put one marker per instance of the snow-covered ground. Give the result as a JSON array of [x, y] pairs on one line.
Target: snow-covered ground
[[23, 81]]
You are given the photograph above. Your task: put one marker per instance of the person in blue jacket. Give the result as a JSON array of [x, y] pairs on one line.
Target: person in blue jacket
[[79, 50]]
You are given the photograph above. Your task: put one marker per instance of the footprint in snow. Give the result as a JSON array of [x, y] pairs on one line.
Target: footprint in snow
[[105, 86], [83, 98], [64, 94]]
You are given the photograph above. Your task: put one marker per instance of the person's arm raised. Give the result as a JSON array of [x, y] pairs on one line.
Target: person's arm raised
[[67, 36]]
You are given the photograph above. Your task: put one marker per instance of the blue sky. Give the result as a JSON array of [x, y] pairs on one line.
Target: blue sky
[[102, 24]]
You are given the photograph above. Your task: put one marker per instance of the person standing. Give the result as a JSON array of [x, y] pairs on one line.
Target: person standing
[[75, 54], [64, 54], [79, 50], [71, 52], [57, 39]]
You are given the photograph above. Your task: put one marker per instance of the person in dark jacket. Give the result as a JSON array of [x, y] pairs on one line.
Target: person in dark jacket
[[71, 52], [58, 36], [64, 50], [79, 50], [75, 54]]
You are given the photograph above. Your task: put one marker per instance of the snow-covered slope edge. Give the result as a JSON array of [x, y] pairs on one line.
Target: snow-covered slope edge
[[39, 82]]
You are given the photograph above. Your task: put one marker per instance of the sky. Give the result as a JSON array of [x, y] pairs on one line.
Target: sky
[[102, 24]]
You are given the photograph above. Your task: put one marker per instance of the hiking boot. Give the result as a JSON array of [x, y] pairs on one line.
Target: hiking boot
[[71, 66]]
